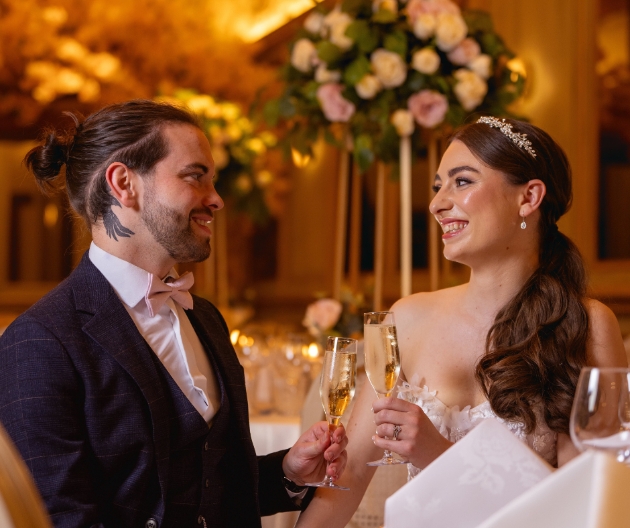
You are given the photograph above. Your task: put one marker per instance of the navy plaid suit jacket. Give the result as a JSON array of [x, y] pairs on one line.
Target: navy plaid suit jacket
[[81, 398]]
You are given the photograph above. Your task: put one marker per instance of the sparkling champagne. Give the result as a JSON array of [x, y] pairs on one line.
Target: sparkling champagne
[[337, 384], [382, 359]]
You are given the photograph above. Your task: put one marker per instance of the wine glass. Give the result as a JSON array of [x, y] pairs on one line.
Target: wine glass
[[336, 388], [600, 417], [382, 362]]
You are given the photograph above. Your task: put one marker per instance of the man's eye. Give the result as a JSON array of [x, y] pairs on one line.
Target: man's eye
[[436, 188], [461, 181]]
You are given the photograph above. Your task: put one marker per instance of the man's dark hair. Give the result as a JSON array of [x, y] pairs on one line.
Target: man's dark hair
[[129, 133]]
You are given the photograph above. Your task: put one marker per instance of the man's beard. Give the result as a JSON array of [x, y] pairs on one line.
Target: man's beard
[[173, 231]]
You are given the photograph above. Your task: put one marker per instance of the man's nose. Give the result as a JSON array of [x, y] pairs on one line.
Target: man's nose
[[213, 200]]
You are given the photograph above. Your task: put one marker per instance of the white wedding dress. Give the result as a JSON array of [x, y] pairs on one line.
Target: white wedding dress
[[454, 423]]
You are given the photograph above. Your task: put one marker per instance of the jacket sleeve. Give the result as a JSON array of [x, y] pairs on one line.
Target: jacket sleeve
[[272, 494], [41, 408]]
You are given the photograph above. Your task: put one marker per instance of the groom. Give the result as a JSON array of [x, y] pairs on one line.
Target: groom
[[122, 391]]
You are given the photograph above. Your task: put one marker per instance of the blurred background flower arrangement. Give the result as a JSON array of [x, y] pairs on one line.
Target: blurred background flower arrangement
[[387, 68], [329, 317]]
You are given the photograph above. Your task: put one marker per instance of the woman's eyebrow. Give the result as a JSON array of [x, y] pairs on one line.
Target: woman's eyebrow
[[455, 170]]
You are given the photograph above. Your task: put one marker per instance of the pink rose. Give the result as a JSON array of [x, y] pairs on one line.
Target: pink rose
[[428, 108], [415, 8], [465, 51], [335, 107], [322, 315]]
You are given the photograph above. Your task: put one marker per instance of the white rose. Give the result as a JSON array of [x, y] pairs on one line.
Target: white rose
[[368, 87], [481, 65], [387, 5], [337, 22], [389, 67], [425, 61], [403, 122], [303, 55], [324, 75], [450, 31], [424, 26], [470, 88], [314, 23]]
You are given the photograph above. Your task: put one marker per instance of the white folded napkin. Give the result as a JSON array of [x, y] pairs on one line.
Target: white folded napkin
[[591, 491], [481, 473]]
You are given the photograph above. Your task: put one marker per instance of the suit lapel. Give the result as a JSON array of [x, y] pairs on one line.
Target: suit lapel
[[213, 334], [114, 331]]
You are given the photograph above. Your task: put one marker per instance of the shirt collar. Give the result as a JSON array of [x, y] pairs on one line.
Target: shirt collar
[[128, 281]]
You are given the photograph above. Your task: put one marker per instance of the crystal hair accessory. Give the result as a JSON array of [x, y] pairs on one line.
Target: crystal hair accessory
[[520, 140]]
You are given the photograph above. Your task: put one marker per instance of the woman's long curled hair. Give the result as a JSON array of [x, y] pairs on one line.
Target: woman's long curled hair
[[129, 132], [536, 346]]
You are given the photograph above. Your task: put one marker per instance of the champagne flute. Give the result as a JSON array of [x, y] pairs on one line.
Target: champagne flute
[[382, 362], [600, 417], [336, 388]]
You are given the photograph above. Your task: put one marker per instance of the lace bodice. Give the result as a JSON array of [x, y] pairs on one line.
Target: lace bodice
[[454, 423]]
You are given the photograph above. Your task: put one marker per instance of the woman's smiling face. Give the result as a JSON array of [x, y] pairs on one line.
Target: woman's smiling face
[[476, 206]]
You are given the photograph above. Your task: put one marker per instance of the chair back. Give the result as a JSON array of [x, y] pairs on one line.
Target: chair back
[[20, 503]]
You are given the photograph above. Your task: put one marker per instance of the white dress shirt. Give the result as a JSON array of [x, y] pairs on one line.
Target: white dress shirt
[[169, 332]]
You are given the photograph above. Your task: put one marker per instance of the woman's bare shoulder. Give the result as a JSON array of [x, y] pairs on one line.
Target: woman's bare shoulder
[[605, 345], [425, 303]]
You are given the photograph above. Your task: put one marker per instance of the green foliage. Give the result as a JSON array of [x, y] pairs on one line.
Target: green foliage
[[365, 37], [363, 152], [356, 70], [328, 52], [383, 16], [396, 42]]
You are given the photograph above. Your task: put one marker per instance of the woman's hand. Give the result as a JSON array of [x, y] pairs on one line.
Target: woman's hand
[[418, 441]]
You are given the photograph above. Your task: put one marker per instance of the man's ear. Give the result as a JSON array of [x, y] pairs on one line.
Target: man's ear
[[533, 193], [122, 184]]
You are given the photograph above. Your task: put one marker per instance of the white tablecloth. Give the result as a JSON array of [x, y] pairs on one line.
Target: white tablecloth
[[273, 432]]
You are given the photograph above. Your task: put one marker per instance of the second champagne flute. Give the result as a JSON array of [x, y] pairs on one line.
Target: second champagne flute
[[382, 362], [336, 388]]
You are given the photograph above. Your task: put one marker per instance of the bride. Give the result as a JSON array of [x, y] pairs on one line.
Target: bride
[[509, 344]]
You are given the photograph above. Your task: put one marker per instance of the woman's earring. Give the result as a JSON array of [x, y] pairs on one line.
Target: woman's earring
[[523, 224]]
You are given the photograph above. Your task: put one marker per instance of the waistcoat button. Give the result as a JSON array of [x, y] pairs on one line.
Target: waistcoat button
[[151, 523], [206, 446], [207, 483]]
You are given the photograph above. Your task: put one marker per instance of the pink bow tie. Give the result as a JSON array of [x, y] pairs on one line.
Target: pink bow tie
[[159, 291]]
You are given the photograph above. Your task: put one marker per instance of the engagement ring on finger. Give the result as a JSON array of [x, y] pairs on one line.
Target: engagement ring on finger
[[397, 429]]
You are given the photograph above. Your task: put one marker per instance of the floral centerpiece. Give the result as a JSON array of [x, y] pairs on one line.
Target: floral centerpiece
[[238, 151], [329, 317], [387, 68]]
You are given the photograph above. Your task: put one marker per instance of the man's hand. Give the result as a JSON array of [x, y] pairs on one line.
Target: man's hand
[[317, 447]]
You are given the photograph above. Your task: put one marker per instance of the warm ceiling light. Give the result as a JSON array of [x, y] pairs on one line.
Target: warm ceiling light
[[313, 351], [517, 68], [267, 21], [299, 160]]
